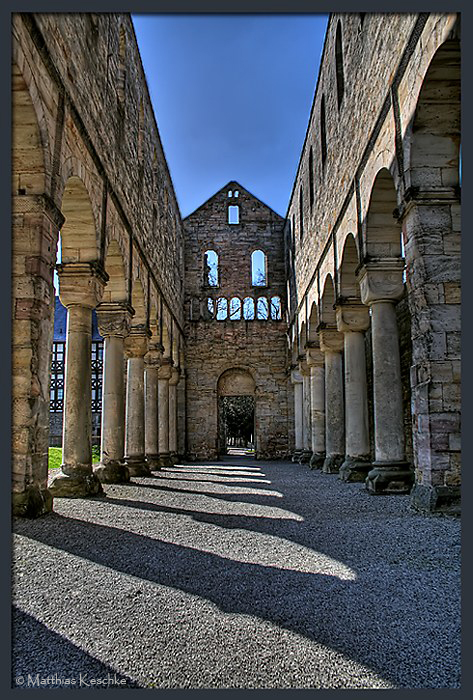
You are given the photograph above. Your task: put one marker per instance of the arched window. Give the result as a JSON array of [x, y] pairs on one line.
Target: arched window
[[258, 269], [211, 307], [262, 311], [221, 309], [234, 214], [276, 313], [230, 193], [235, 309], [211, 268], [121, 77], [236, 193], [339, 64], [323, 134], [301, 213], [249, 309], [311, 177]]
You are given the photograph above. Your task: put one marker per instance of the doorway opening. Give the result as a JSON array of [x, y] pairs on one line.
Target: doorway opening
[[238, 424]]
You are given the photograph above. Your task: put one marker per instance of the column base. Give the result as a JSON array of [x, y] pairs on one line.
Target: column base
[[75, 485], [305, 457], [332, 464], [395, 477], [355, 469], [137, 466], [153, 463], [32, 502], [112, 473], [426, 498], [165, 460], [296, 455], [317, 460]]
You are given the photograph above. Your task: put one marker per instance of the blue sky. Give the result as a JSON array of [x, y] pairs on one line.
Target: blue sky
[[232, 97]]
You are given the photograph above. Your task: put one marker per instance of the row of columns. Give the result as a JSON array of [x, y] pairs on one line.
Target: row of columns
[[339, 420], [139, 430]]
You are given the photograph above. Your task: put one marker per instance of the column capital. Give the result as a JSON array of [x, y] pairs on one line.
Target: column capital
[[114, 319], [331, 340], [381, 280], [165, 368], [315, 357], [352, 317], [136, 343], [296, 377], [81, 283], [154, 355], [303, 367], [175, 376]]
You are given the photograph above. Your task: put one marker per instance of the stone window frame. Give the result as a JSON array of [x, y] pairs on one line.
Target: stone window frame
[[238, 212], [339, 69], [205, 276], [266, 270], [58, 369], [218, 302], [252, 299], [239, 310], [262, 298], [271, 307]]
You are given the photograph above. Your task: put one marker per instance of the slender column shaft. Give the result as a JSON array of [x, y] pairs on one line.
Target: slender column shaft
[[172, 418], [334, 426], [387, 391], [113, 409], [317, 405], [298, 415], [135, 409], [163, 415], [77, 418], [306, 430], [357, 442], [151, 416]]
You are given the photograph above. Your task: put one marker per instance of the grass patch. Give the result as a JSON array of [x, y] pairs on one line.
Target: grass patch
[[55, 456]]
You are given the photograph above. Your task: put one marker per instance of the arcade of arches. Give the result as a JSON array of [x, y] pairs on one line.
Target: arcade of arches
[[340, 321]]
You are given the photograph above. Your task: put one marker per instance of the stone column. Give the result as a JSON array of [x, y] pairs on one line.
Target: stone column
[[353, 320], [381, 287], [81, 287], [136, 346], [164, 375], [35, 225], [152, 362], [331, 344], [296, 380], [431, 223], [114, 325], [173, 382], [181, 415], [306, 432], [316, 364]]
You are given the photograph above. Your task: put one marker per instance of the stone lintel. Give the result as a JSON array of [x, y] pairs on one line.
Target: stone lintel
[[352, 317], [381, 280], [331, 340], [81, 283]]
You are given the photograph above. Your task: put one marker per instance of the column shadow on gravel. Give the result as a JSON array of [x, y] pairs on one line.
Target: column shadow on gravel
[[336, 613], [53, 655]]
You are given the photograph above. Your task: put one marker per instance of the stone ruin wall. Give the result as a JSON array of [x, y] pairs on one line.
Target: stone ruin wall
[[214, 346]]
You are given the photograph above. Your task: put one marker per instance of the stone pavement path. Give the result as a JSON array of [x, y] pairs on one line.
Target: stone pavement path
[[237, 574]]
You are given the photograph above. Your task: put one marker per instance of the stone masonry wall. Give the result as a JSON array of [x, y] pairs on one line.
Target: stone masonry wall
[[214, 346]]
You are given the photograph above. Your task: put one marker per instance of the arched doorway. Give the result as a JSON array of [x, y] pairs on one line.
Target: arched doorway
[[236, 412]]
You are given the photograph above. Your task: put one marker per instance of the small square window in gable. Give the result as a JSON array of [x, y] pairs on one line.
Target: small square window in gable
[[233, 214]]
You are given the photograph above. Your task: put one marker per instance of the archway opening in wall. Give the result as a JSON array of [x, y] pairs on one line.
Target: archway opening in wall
[[236, 413]]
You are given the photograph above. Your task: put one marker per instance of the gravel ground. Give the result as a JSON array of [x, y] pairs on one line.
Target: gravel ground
[[238, 574]]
